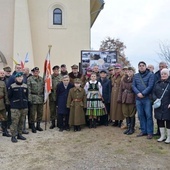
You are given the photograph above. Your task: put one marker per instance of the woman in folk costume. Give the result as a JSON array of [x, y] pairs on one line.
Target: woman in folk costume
[[95, 106], [115, 107], [126, 96], [76, 102]]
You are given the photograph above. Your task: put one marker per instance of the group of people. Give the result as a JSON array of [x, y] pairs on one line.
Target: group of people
[[96, 97]]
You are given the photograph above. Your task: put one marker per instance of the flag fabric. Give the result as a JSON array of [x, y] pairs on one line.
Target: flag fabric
[[22, 65], [14, 61], [26, 58], [47, 77]]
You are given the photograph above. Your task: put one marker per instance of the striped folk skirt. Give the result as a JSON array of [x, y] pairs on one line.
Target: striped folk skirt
[[95, 106]]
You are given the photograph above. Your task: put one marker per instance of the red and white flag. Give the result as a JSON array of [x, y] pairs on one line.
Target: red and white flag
[[47, 77]]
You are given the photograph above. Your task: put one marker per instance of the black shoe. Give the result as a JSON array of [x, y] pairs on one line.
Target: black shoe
[[33, 128], [25, 132], [38, 127], [141, 134], [126, 131], [94, 123], [5, 133], [78, 128], [14, 139], [21, 137], [115, 123], [52, 124], [90, 123], [120, 123]]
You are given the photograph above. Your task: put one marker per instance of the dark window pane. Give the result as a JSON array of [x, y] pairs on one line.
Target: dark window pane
[[57, 16]]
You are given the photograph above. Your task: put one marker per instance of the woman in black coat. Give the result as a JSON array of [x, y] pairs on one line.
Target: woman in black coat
[[162, 113]]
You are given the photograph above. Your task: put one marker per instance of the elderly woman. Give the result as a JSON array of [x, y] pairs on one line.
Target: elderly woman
[[162, 113]]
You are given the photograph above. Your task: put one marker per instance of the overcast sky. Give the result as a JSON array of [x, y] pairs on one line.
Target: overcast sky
[[140, 24]]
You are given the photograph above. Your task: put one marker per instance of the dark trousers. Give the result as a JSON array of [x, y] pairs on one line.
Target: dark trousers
[[162, 123], [63, 121]]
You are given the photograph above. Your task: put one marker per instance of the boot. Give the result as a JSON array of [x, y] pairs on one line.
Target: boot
[[21, 137], [94, 123], [168, 137], [33, 128], [162, 132], [128, 121], [38, 127], [90, 123], [4, 129], [120, 123], [14, 139], [52, 124], [132, 126]]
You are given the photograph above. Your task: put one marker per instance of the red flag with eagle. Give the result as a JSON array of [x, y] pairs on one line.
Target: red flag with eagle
[[47, 77]]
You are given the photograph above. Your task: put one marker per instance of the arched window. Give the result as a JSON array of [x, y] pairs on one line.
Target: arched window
[[57, 16]]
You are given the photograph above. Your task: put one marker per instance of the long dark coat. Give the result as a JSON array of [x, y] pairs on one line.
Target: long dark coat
[[106, 89], [115, 107], [77, 115], [61, 99], [162, 113]]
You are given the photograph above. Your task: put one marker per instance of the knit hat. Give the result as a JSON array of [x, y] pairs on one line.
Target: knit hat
[[165, 70]]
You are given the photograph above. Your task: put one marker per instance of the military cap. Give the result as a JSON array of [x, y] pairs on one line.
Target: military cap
[[117, 65], [89, 69], [103, 71], [63, 65], [74, 66], [7, 69], [56, 67], [35, 69], [111, 68], [77, 80], [131, 68], [125, 67], [19, 74]]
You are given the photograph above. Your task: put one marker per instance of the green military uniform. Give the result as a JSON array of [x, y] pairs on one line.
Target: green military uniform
[[36, 99], [76, 102], [3, 101], [52, 97]]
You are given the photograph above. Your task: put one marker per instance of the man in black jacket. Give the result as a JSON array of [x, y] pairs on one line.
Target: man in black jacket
[[18, 96]]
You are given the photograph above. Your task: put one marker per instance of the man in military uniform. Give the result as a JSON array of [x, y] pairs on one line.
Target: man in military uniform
[[74, 74], [18, 96], [36, 98], [63, 70], [7, 71], [56, 78], [3, 103]]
